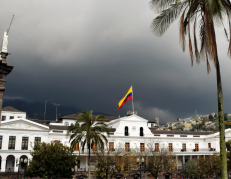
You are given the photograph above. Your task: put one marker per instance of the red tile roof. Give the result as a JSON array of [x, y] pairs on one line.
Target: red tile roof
[[181, 132], [74, 116], [66, 127]]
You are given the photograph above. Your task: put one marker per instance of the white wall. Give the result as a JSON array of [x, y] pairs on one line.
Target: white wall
[[14, 114]]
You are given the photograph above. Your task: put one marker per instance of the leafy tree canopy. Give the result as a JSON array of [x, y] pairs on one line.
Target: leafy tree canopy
[[190, 169], [89, 129], [210, 116], [51, 160], [225, 116]]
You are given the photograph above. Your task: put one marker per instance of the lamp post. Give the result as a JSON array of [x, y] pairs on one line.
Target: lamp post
[[25, 162], [140, 164], [18, 164]]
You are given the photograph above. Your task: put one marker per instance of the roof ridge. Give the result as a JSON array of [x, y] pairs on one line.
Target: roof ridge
[[10, 108]]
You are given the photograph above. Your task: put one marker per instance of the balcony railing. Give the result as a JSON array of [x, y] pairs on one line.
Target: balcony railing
[[24, 147], [12, 147], [81, 169], [174, 150], [194, 150]]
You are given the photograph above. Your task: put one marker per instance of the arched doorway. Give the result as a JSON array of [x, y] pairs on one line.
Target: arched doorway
[[136, 176], [82, 176], [22, 162], [10, 163]]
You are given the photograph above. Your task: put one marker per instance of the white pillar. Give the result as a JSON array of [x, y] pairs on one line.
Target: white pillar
[[15, 166], [183, 159], [29, 159], [5, 143], [18, 142], [3, 166], [190, 157]]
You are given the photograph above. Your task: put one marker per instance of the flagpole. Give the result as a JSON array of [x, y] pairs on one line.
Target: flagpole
[[132, 100]]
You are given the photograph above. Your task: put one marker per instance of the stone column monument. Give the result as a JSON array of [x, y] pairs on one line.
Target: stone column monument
[[4, 68]]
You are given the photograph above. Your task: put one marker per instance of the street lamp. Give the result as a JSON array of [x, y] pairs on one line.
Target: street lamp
[[25, 162], [140, 163], [18, 164]]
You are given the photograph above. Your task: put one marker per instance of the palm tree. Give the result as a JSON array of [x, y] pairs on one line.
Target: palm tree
[[89, 129], [206, 14]]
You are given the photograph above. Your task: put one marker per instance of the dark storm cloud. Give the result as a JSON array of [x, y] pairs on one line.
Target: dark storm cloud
[[88, 53]]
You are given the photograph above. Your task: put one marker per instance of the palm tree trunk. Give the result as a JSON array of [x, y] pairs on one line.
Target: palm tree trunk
[[221, 124], [89, 154]]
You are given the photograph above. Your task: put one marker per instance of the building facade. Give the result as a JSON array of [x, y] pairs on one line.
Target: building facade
[[19, 135]]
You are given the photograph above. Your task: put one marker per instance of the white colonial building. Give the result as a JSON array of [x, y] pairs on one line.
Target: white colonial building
[[18, 135], [9, 113]]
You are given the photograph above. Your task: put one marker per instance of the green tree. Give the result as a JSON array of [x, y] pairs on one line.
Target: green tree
[[89, 129], [207, 14], [208, 166], [215, 116], [225, 116], [228, 146], [190, 169], [158, 159], [51, 160], [210, 116], [110, 163]]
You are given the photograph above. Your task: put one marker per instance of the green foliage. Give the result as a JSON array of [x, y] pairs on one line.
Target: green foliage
[[160, 161], [215, 116], [225, 116], [210, 116], [190, 169], [89, 129], [110, 163], [51, 160], [202, 167], [228, 146]]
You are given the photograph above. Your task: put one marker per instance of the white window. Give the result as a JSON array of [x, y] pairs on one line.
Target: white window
[[66, 124]]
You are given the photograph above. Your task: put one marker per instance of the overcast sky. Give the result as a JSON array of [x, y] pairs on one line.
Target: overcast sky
[[87, 53]]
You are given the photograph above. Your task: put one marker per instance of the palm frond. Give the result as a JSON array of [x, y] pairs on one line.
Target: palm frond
[[214, 8], [182, 31], [190, 44], [195, 42], [159, 5], [229, 48], [204, 43], [162, 22]]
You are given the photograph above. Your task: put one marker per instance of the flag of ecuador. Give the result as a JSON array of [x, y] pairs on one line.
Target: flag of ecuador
[[127, 97]]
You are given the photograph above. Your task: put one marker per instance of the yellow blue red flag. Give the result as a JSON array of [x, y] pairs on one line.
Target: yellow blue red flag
[[127, 97]]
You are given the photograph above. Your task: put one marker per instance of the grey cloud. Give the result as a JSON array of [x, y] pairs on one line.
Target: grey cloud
[[87, 53]]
